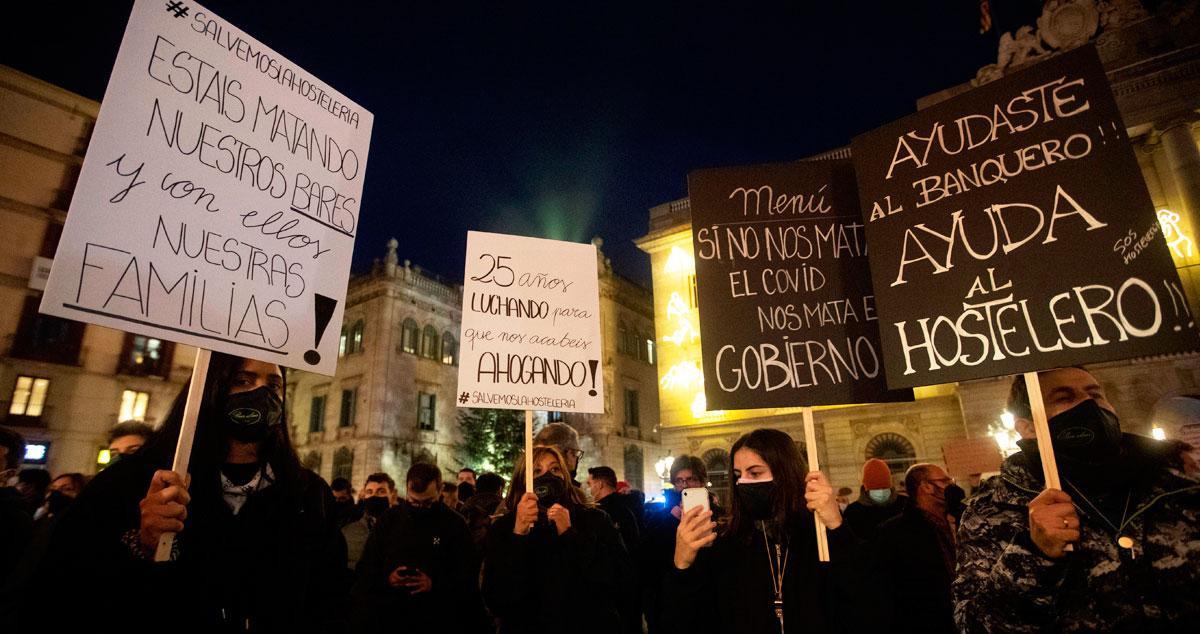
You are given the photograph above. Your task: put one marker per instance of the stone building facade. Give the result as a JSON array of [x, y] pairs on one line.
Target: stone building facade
[[1153, 62], [63, 384]]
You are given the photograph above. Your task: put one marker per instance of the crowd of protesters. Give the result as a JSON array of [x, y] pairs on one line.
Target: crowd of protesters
[[262, 544]]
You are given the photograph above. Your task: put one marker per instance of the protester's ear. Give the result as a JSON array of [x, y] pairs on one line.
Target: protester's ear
[[1024, 427]]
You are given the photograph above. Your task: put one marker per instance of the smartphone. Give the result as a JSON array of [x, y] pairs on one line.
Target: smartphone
[[697, 496]]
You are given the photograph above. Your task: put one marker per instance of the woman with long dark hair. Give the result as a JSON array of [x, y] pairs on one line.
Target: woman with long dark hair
[[554, 562], [760, 574], [257, 547]]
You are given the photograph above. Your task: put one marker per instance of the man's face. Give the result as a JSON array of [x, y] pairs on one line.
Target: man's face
[[66, 486], [125, 445], [933, 489], [595, 487], [686, 479], [377, 490], [1063, 389], [342, 496], [427, 497], [466, 476]]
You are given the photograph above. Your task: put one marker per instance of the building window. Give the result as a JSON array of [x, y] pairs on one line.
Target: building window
[[622, 338], [133, 406], [631, 409], [316, 416], [29, 396], [716, 461], [693, 296], [555, 417], [429, 343], [649, 343], [343, 464], [312, 460], [145, 356], [356, 337], [633, 466], [346, 417], [408, 336], [893, 449], [426, 411], [46, 338], [342, 343], [449, 349]]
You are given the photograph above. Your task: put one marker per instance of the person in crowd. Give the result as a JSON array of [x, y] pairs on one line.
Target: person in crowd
[[877, 500], [563, 437], [126, 438], [760, 574], [256, 546], [635, 499], [913, 555], [33, 484], [955, 505], [602, 484], [657, 547], [843, 498], [554, 562], [60, 494], [482, 507], [344, 507], [466, 474], [16, 520], [450, 495], [379, 495], [419, 571], [1127, 512]]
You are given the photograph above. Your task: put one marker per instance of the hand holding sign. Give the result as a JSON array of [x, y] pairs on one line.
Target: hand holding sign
[[164, 508]]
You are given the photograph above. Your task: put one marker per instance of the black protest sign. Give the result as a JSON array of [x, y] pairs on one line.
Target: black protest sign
[[787, 316], [1011, 231]]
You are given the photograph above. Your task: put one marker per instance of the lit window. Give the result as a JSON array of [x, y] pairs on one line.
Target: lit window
[[429, 343], [29, 396], [133, 405], [449, 349], [408, 338], [356, 337], [650, 351], [342, 344], [426, 410]]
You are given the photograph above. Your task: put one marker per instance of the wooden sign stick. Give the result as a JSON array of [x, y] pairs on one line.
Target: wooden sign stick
[[1041, 427], [187, 432], [810, 443], [529, 450]]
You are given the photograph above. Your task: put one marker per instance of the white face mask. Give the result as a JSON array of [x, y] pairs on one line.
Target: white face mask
[[880, 496]]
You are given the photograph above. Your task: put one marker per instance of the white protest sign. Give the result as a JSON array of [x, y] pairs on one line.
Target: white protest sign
[[219, 199], [530, 326]]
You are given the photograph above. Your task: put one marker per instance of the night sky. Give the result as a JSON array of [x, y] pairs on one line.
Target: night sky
[[556, 119]]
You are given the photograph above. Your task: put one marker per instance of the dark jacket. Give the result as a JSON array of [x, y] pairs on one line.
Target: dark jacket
[[622, 517], [909, 561], [437, 544], [729, 589], [272, 567], [864, 516], [655, 555], [478, 512], [1005, 584], [544, 583], [16, 529]]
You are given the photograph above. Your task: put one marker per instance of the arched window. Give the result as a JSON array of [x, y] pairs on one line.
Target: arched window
[[449, 349], [342, 343], [312, 460], [356, 337], [634, 460], [343, 464], [429, 343], [408, 336], [893, 449], [716, 461]]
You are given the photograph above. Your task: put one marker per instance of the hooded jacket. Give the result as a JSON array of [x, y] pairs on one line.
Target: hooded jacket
[[1005, 584]]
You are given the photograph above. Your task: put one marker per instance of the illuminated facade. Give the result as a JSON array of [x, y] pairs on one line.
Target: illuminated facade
[[1159, 98]]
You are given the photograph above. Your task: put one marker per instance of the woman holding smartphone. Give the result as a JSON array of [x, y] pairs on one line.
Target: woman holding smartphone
[[554, 562], [761, 573]]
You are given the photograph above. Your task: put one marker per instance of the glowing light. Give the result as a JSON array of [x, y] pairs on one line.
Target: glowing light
[[700, 405], [1003, 440], [1010, 421], [35, 451], [680, 262], [1158, 433], [1180, 244], [676, 307], [104, 457], [684, 333], [682, 374], [663, 467]]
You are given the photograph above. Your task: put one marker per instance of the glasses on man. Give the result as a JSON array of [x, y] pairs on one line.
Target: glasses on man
[[692, 481]]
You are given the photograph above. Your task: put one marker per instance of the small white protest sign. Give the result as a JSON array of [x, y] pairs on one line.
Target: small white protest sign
[[530, 326], [219, 199]]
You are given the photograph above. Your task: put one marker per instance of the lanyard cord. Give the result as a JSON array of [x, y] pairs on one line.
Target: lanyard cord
[[777, 565], [1115, 528]]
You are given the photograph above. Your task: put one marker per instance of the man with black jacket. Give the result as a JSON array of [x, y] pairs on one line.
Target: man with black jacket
[[602, 484], [419, 568]]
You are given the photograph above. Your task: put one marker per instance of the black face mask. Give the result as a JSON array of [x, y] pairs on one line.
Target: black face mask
[[757, 499], [57, 502], [250, 416], [549, 490], [376, 506], [1087, 433], [422, 513]]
